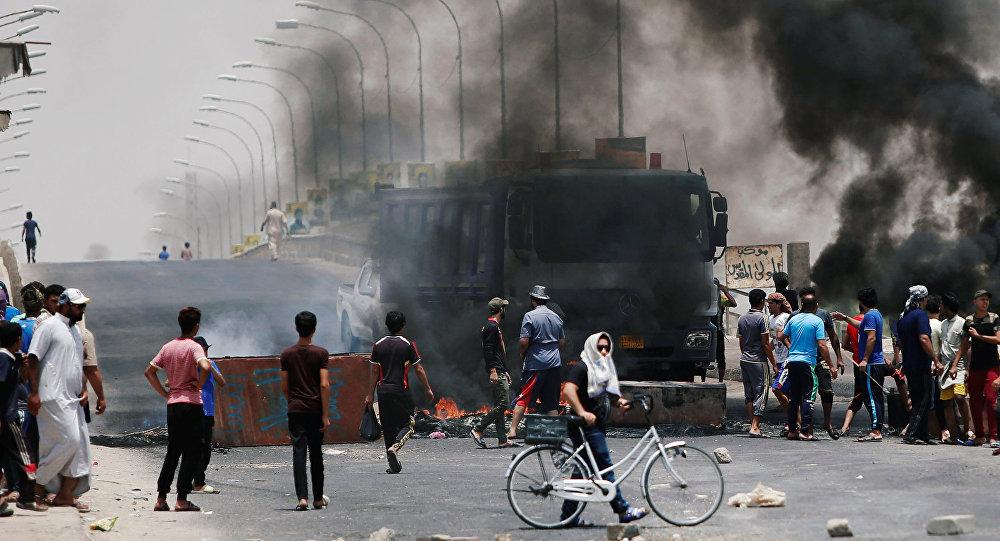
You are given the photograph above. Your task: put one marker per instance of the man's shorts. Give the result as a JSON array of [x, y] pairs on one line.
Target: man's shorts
[[31, 243], [781, 379], [951, 391], [825, 380], [540, 385]]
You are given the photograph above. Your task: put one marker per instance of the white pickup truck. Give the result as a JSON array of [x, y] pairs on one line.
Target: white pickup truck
[[362, 314]]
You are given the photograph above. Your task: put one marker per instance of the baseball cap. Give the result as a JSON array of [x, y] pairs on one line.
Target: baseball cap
[[73, 296], [202, 342], [982, 292], [496, 303]]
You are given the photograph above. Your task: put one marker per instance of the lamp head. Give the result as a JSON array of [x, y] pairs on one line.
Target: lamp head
[[210, 108], [211, 97], [202, 123], [286, 24], [182, 161], [228, 77], [243, 64], [159, 215], [22, 154], [192, 138], [44, 8], [23, 121], [31, 107], [26, 29], [267, 41], [40, 71], [11, 169], [35, 54], [306, 4], [174, 180], [36, 91]]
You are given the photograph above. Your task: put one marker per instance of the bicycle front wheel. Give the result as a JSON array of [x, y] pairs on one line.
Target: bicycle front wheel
[[530, 486], [685, 488]]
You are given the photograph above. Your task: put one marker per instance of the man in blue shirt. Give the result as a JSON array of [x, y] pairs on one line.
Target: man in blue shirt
[[208, 422], [540, 340], [869, 358], [807, 337], [920, 364], [28, 235], [164, 254]]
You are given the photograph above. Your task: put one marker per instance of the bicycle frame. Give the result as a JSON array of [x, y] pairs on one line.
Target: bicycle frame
[[584, 489]]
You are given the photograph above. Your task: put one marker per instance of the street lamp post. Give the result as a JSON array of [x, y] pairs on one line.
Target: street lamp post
[[291, 120], [503, 91], [10, 169], [239, 178], [420, 72], [274, 141], [461, 86], [294, 23], [22, 31], [225, 184], [17, 135], [260, 144], [30, 91], [555, 35], [218, 210], [336, 90], [385, 50], [312, 110], [253, 194], [16, 155]]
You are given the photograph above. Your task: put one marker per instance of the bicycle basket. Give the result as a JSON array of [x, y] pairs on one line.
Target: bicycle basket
[[539, 429]]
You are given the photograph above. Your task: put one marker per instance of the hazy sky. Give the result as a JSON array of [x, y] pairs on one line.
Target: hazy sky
[[125, 79]]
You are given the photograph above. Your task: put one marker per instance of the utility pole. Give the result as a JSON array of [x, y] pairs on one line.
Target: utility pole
[[503, 92], [555, 26], [621, 103]]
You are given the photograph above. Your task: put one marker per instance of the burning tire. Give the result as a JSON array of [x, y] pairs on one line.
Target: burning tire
[[530, 480]]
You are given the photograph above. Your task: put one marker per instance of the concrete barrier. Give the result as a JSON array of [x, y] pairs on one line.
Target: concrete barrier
[[252, 410], [674, 402], [10, 273]]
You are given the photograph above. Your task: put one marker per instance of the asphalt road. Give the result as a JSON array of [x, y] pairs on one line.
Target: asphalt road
[[248, 308]]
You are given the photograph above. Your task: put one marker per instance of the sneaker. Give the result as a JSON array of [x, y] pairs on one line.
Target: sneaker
[[632, 514], [394, 465]]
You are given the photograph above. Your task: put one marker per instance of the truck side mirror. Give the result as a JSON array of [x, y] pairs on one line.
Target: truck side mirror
[[720, 204], [721, 229]]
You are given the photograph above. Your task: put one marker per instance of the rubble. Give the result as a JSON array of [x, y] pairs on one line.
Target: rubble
[[615, 531], [383, 534], [951, 525], [839, 527], [104, 524], [722, 455], [143, 438], [631, 531], [760, 496]]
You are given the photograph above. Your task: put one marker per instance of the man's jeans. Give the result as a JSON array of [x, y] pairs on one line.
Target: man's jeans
[[501, 399], [599, 446]]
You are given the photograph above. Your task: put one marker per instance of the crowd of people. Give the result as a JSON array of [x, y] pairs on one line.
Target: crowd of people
[[941, 362]]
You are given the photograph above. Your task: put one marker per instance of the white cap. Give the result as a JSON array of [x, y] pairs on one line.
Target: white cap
[[73, 296]]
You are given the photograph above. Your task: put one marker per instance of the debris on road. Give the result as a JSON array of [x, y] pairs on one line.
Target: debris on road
[[616, 532], [839, 527], [437, 435], [333, 452], [503, 537], [104, 524], [760, 496], [951, 525], [631, 532], [383, 534], [722, 455], [143, 438]]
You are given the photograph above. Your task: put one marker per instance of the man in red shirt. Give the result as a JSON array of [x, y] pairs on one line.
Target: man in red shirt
[[181, 359]]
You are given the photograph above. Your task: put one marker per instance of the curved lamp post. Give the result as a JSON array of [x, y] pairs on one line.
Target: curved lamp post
[[260, 144], [274, 139], [218, 211], [225, 184], [205, 124], [239, 178]]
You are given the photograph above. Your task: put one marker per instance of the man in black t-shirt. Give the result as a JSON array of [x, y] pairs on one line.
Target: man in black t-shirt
[[781, 286], [495, 356], [392, 357], [305, 381], [981, 335]]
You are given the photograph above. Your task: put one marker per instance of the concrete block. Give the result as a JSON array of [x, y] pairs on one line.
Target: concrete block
[[674, 402], [631, 531], [951, 525], [722, 455], [615, 531], [838, 527], [504, 537]]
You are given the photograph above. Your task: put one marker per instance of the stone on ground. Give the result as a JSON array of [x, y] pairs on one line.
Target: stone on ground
[[383, 534], [838, 527], [951, 525], [631, 531], [722, 455], [760, 496], [616, 532]]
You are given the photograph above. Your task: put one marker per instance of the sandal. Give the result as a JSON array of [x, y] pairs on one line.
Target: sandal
[[189, 507], [810, 437], [5, 511], [161, 507], [869, 437], [478, 438], [302, 507], [33, 506], [77, 504], [792, 435], [757, 435], [834, 435], [320, 504]]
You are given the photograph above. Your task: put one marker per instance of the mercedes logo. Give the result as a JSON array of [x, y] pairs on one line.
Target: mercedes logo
[[628, 304]]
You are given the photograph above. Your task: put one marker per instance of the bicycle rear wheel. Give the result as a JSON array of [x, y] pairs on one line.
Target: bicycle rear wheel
[[529, 486], [686, 488]]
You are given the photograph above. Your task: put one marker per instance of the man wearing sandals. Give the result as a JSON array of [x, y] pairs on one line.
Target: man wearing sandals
[[872, 361], [808, 341], [755, 358], [58, 394], [591, 387], [14, 455], [920, 363], [187, 368]]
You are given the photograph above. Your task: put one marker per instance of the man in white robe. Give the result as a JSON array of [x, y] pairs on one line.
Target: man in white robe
[[58, 393]]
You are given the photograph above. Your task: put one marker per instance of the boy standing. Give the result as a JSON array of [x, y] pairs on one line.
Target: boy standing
[[305, 382], [13, 448], [208, 421], [181, 358]]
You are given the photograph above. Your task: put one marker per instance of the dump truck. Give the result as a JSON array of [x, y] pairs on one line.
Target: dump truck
[[622, 250]]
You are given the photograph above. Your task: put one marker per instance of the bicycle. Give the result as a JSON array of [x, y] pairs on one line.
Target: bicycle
[[682, 484]]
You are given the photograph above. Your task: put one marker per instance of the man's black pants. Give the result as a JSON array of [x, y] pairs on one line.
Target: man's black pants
[[207, 425], [396, 413], [306, 431], [921, 388], [14, 457], [801, 382], [184, 424]]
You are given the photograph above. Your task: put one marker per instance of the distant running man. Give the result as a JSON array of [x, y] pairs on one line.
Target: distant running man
[[277, 226], [28, 236]]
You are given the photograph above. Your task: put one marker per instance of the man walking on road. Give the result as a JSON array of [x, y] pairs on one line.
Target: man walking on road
[[870, 359], [28, 236], [58, 394], [981, 340], [953, 389], [826, 373], [541, 339], [186, 253], [208, 421], [755, 358], [306, 384], [392, 357], [807, 342], [495, 357], [187, 368], [277, 227], [920, 364]]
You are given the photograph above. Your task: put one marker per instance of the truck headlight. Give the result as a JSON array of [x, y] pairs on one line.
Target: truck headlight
[[698, 340]]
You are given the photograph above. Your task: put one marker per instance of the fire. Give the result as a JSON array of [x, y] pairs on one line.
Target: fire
[[446, 408]]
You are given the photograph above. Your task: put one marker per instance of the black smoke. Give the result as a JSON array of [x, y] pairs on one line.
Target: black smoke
[[897, 81]]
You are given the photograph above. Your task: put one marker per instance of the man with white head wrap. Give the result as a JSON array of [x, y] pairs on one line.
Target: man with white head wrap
[[920, 363], [591, 386]]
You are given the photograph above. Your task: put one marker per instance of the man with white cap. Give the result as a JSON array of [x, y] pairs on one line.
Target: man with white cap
[[541, 338], [58, 390], [920, 363]]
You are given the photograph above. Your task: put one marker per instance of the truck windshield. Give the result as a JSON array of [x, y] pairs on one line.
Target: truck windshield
[[594, 217]]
